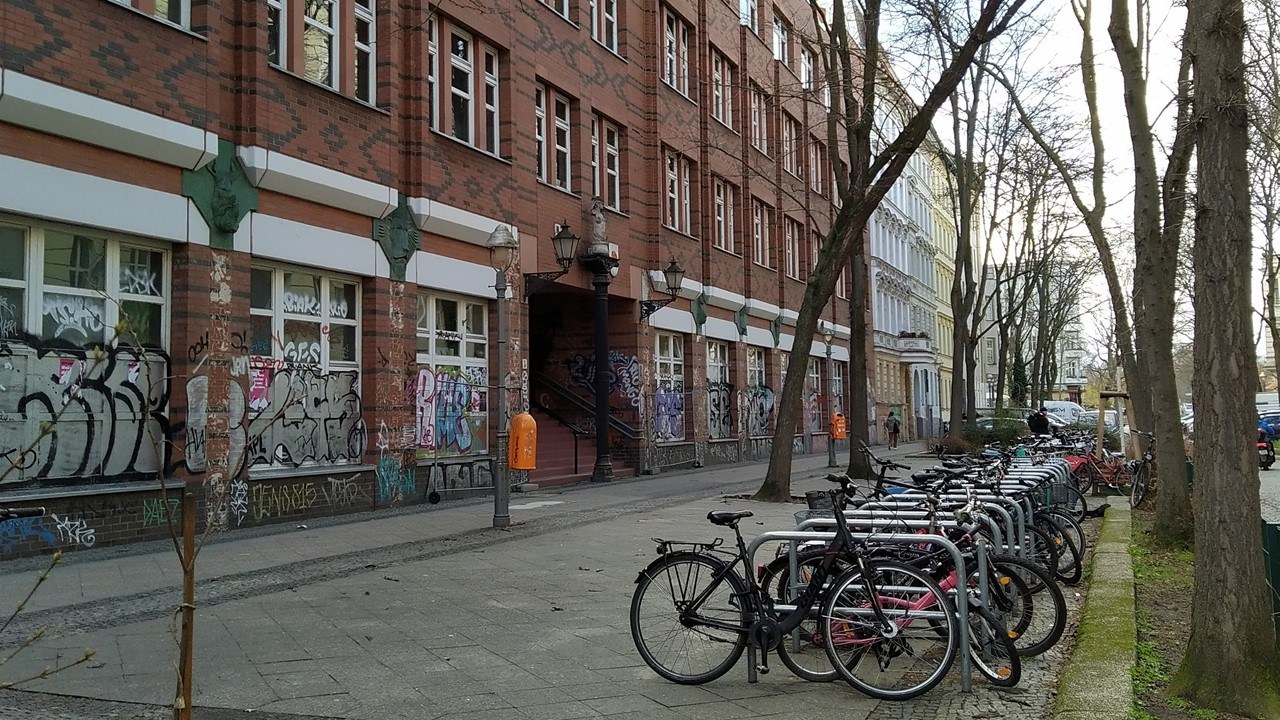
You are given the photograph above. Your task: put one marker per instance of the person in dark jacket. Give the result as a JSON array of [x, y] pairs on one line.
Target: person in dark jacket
[[1039, 422]]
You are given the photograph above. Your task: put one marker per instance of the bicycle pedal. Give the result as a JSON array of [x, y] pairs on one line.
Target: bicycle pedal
[[762, 669]]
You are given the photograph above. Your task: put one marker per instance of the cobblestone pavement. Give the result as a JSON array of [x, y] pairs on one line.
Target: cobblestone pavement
[[529, 622]]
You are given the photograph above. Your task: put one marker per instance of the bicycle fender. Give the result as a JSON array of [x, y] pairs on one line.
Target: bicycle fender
[[664, 558]]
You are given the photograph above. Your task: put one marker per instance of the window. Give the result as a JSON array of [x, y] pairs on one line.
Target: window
[[813, 381], [719, 392], [675, 67], [451, 395], [842, 290], [560, 6], [725, 195], [277, 39], [815, 248], [759, 119], [174, 12], [78, 288], [460, 85], [319, 41], [817, 167], [791, 135], [991, 352], [604, 23], [781, 41], [791, 253], [678, 207], [554, 169], [304, 318], [432, 52], [750, 15], [366, 67], [806, 69], [755, 368], [471, 114], [761, 216], [721, 88], [668, 407], [606, 164], [837, 386]]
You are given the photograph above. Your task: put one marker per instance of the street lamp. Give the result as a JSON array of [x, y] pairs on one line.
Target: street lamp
[[674, 275], [602, 265], [828, 336], [502, 255], [565, 245]]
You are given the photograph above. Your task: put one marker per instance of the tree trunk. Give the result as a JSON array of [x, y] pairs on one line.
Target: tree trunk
[[1154, 390], [1230, 664]]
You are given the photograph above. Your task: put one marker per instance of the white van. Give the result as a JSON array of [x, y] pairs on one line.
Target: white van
[[1064, 409]]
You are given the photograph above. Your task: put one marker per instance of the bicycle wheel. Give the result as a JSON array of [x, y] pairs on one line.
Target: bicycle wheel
[[992, 649], [803, 652], [1044, 551], [687, 618], [1028, 600], [1141, 484], [1070, 526], [1070, 568], [915, 656]]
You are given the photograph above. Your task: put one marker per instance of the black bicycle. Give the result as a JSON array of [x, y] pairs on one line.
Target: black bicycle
[[888, 628]]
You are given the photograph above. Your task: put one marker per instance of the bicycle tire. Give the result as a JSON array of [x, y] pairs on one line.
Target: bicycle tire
[[808, 661], [845, 628], [1140, 485], [1071, 527], [655, 602], [1070, 567], [1023, 592], [1044, 551], [992, 649]]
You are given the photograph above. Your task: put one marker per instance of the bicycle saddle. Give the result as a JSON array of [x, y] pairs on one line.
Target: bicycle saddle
[[728, 517]]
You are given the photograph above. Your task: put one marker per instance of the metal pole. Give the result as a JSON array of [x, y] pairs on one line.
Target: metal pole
[[831, 409], [603, 470], [501, 488]]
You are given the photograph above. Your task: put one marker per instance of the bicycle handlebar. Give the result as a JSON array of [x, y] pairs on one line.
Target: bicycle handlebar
[[16, 513]]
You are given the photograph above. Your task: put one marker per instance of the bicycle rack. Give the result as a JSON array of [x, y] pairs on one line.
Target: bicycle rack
[[962, 609]]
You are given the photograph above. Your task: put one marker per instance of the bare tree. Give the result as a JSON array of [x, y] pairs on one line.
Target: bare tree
[[866, 178], [1231, 660]]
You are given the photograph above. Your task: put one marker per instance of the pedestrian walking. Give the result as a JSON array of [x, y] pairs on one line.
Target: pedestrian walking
[[892, 426]]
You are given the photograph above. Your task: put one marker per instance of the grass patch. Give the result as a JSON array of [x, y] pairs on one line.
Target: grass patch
[[1150, 671]]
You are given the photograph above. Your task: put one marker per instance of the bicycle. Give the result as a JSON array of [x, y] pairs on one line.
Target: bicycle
[[693, 604]]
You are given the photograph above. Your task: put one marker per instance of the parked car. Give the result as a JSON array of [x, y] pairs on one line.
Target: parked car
[[1090, 418], [1064, 409]]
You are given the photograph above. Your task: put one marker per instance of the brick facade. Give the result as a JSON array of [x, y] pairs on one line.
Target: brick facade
[[276, 400]]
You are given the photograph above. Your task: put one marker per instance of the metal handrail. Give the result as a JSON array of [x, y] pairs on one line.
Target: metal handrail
[[627, 431]]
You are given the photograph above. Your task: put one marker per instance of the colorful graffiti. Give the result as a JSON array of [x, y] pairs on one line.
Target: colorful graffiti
[[625, 379], [757, 410], [22, 530], [668, 410], [452, 411], [719, 411]]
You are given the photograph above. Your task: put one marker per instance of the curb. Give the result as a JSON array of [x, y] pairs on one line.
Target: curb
[[1097, 682]]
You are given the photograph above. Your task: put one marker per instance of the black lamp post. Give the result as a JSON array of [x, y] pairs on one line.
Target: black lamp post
[[602, 267], [828, 337], [565, 245]]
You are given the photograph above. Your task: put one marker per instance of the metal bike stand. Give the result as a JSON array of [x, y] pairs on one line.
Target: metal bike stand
[[962, 609]]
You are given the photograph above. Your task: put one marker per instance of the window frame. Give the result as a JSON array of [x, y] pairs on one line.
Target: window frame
[[678, 204], [604, 25], [723, 197], [781, 41], [333, 31], [464, 359], [366, 53], [722, 73], [761, 216], [759, 119], [540, 129], [562, 162], [672, 360], [559, 7], [675, 66], [749, 15], [467, 66], [791, 231], [183, 6], [790, 144], [280, 30], [325, 320], [806, 69], [35, 288]]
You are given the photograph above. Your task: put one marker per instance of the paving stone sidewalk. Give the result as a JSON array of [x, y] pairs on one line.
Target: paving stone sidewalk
[[526, 623]]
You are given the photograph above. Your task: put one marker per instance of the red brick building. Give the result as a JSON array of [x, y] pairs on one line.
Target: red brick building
[[243, 246]]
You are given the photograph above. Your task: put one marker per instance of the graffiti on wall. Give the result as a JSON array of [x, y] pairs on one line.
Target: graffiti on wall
[[719, 411], [668, 409], [445, 476], [757, 410], [812, 419], [73, 530], [154, 511], [625, 379], [14, 533], [451, 411], [306, 416], [114, 421]]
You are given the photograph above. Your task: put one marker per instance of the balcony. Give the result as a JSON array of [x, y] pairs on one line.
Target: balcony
[[916, 347]]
